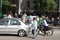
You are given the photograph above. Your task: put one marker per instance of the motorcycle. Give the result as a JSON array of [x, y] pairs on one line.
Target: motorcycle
[[49, 30]]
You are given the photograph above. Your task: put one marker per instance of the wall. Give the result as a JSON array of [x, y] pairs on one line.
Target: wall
[[24, 4]]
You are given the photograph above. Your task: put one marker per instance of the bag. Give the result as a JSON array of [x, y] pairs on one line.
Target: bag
[[33, 32]]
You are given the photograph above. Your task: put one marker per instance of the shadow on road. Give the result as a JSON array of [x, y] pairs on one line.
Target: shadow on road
[[30, 37], [8, 35]]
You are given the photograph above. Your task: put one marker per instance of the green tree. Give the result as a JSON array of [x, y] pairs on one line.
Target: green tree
[[52, 5], [6, 5], [46, 5], [0, 2], [0, 8], [36, 4], [6, 2]]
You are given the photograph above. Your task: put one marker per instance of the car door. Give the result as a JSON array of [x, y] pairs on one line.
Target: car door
[[3, 26], [14, 26]]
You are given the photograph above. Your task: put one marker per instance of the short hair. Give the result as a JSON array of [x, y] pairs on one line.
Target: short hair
[[34, 18]]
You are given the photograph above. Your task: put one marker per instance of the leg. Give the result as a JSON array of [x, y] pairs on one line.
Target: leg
[[35, 34]]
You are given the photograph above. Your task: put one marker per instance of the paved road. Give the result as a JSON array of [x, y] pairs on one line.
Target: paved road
[[55, 36]]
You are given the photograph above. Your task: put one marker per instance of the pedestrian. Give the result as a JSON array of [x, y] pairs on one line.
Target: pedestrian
[[30, 20], [38, 20], [34, 30], [48, 20], [55, 21], [52, 19], [24, 17], [39, 23], [9, 16], [16, 15], [58, 19]]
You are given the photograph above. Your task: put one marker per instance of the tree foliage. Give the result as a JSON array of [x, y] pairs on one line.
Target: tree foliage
[[47, 5], [6, 6], [6, 2], [0, 3]]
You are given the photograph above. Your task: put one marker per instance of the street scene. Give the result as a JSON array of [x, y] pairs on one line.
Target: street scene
[[29, 19]]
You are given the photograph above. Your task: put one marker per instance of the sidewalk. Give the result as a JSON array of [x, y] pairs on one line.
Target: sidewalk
[[55, 27]]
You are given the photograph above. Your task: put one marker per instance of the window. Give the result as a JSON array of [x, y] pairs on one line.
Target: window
[[14, 22], [4, 22]]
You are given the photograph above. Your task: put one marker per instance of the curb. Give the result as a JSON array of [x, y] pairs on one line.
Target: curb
[[55, 27]]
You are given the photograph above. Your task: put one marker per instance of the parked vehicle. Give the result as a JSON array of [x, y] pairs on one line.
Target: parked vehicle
[[13, 26]]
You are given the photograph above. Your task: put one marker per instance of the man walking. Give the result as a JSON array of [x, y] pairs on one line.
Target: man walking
[[34, 27]]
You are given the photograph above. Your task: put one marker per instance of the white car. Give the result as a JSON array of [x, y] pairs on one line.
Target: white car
[[13, 26]]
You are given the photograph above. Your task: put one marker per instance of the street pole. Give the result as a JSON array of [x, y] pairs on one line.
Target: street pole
[[20, 1]]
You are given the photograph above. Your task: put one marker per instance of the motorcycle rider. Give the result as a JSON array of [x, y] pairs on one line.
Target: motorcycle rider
[[44, 24]]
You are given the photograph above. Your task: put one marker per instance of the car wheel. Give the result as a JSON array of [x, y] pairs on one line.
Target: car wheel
[[21, 33]]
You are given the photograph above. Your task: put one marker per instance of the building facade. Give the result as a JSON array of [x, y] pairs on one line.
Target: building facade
[[25, 5]]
